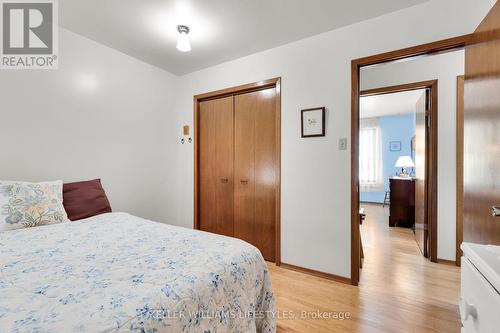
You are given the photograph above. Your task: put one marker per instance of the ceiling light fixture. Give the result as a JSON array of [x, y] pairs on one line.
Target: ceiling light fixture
[[183, 43]]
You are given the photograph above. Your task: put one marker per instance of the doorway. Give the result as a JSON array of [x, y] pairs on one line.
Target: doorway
[[398, 158], [422, 54]]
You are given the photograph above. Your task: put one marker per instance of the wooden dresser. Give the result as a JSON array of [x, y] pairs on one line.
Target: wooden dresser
[[402, 207]]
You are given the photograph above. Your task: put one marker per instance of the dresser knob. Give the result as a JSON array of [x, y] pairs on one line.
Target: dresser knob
[[495, 211], [224, 180], [467, 310]]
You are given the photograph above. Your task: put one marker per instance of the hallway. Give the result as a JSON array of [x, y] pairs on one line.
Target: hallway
[[400, 291], [395, 266]]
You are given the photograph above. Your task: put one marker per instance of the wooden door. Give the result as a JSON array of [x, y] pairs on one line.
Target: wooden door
[[216, 165], [255, 178], [460, 168], [421, 221], [482, 132]]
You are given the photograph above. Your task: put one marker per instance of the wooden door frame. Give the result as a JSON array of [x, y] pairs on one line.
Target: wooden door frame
[[460, 168], [431, 161], [250, 87], [356, 65]]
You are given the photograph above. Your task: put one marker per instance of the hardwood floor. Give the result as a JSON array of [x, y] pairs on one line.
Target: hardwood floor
[[400, 291]]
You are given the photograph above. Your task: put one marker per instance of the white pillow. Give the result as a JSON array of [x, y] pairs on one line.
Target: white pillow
[[24, 205]]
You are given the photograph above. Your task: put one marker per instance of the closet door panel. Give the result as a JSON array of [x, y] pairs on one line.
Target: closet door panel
[[255, 149], [216, 165], [207, 178], [265, 180], [224, 157], [244, 176]]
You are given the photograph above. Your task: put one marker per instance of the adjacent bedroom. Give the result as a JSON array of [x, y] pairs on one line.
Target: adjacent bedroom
[[190, 166]]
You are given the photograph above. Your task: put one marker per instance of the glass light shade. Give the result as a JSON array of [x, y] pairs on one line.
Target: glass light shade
[[183, 43], [405, 162]]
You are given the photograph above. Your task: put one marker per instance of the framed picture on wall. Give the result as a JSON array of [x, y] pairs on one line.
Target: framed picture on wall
[[313, 122], [395, 146]]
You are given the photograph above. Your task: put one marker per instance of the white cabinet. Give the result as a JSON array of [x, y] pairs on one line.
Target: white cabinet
[[480, 285]]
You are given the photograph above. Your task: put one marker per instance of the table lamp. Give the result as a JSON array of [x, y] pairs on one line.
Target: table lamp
[[404, 162]]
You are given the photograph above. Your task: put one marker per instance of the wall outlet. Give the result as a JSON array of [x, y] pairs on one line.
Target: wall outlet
[[343, 144]]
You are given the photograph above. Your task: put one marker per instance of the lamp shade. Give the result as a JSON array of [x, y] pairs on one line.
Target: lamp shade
[[404, 162]]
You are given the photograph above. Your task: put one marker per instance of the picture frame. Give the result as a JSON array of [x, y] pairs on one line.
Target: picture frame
[[395, 146], [312, 122]]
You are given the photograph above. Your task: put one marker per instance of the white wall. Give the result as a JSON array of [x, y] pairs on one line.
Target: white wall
[[102, 114], [445, 68], [315, 72]]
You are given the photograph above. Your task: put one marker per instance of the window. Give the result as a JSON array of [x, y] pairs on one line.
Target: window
[[370, 156]]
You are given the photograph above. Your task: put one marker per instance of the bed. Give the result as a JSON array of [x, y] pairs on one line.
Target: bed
[[119, 273]]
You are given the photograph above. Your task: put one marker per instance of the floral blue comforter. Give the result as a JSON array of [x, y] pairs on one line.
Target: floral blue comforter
[[120, 273]]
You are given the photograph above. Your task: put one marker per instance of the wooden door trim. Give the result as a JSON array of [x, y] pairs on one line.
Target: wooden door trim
[[356, 65], [431, 152], [241, 89], [398, 88], [245, 88], [414, 51], [460, 168]]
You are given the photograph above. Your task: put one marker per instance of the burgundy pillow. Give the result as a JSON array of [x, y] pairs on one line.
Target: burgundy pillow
[[85, 199]]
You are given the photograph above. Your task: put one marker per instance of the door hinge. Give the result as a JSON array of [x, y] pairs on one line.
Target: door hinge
[[428, 118]]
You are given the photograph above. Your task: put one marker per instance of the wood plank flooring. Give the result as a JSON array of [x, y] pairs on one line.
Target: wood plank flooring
[[400, 291]]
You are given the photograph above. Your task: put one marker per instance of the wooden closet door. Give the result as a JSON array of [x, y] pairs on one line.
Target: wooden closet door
[[254, 162], [216, 166]]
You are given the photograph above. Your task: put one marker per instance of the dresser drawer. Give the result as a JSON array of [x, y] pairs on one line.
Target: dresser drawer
[[479, 302]]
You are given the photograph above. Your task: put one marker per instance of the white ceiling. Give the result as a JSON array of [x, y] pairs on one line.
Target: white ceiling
[[389, 104], [221, 30]]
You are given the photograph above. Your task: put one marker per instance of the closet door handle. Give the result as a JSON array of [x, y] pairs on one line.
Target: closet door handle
[[224, 180], [244, 182]]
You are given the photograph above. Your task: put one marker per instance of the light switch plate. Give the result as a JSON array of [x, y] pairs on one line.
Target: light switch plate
[[343, 144]]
